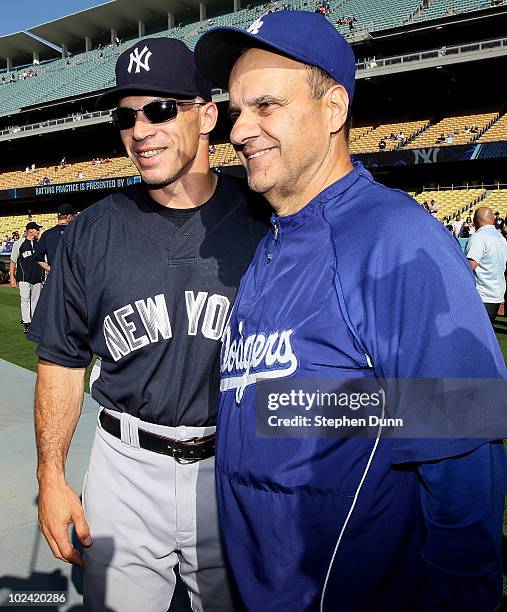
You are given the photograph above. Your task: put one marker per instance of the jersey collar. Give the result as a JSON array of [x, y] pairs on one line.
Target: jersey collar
[[135, 209], [331, 192]]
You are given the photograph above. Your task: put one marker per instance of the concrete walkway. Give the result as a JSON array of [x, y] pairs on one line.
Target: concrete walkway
[[26, 562]]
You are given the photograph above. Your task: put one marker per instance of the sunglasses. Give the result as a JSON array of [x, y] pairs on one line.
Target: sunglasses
[[158, 111]]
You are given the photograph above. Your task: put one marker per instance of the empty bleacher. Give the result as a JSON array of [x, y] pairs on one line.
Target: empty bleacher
[[373, 15], [369, 141], [453, 125], [497, 131], [358, 132], [497, 201], [224, 155], [69, 173], [452, 202], [17, 223], [446, 8]]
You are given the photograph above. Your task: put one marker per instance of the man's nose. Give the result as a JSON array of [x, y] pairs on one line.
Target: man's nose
[[245, 127], [142, 127]]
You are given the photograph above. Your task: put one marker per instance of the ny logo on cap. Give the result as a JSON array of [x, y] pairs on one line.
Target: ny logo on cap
[[137, 58], [256, 26]]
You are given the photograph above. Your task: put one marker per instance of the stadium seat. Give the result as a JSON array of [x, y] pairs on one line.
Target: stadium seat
[[17, 223], [369, 141], [452, 202], [497, 131], [497, 201], [455, 125]]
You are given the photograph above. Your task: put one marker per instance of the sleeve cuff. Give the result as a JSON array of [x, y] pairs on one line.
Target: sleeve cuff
[[63, 360]]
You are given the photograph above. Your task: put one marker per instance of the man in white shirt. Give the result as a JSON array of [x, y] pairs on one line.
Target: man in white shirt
[[457, 224], [487, 256]]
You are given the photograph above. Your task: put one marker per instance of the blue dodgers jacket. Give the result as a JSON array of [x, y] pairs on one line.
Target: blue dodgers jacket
[[361, 282]]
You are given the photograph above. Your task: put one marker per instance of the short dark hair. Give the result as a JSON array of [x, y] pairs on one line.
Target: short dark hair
[[319, 83]]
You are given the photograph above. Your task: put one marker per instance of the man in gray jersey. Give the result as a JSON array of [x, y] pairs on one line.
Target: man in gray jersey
[[144, 279]]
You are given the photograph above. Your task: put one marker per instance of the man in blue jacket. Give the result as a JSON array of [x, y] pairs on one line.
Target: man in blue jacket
[[46, 247], [351, 523]]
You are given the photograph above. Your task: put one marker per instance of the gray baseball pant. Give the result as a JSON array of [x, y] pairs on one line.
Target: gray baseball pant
[[147, 513], [28, 296]]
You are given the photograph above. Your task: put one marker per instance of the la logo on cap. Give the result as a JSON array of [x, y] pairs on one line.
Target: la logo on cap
[[137, 59], [256, 26]]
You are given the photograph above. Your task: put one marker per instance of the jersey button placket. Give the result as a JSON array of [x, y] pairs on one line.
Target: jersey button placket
[[272, 247]]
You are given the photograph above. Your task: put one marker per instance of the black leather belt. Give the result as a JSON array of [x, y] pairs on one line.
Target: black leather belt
[[184, 451]]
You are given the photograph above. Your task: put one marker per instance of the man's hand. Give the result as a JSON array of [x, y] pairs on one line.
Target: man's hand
[[45, 266], [58, 401], [59, 507], [13, 283]]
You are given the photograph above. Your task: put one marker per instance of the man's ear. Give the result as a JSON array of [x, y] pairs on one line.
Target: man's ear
[[209, 117], [337, 100]]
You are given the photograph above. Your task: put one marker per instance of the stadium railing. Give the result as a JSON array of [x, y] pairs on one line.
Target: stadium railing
[[440, 53], [52, 122]]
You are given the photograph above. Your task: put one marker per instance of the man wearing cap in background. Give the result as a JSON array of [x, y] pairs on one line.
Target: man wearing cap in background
[[144, 279], [350, 523], [25, 273], [46, 247]]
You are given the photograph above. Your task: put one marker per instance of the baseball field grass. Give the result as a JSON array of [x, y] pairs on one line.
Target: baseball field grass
[[15, 348]]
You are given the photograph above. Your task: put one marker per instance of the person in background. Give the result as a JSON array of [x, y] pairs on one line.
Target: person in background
[[487, 256], [46, 247], [457, 225], [499, 221], [26, 273], [467, 228]]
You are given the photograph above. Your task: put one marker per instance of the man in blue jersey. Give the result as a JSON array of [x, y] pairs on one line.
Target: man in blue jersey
[[350, 524], [45, 250]]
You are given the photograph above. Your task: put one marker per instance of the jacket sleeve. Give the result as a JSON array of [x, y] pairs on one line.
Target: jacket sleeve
[[412, 300], [462, 504]]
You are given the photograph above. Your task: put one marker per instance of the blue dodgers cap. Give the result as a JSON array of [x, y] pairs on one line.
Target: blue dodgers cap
[[156, 65], [306, 37]]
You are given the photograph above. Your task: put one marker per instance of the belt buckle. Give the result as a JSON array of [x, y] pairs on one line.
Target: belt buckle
[[177, 450]]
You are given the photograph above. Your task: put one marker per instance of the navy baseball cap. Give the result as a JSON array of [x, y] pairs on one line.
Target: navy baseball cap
[[156, 66], [65, 209], [32, 225], [306, 37]]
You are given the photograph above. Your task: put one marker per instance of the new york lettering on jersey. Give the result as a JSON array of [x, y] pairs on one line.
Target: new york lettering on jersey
[[149, 323], [120, 328]]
